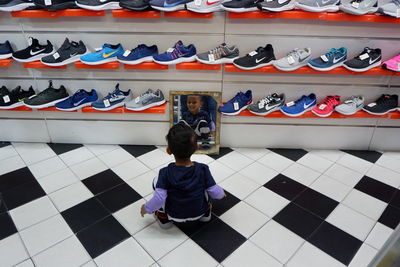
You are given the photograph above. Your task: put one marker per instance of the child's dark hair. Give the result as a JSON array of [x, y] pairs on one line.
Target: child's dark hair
[[182, 141]]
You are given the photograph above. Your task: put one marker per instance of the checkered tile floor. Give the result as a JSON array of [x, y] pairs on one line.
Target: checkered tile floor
[[75, 205]]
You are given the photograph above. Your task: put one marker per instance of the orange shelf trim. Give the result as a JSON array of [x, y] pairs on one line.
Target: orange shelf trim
[[188, 14], [123, 13], [39, 65], [5, 62], [146, 66], [197, 66], [309, 114], [111, 65]]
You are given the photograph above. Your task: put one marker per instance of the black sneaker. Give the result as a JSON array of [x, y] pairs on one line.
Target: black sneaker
[[98, 4], [34, 51], [15, 98], [4, 91], [6, 50], [47, 98], [268, 104], [69, 52], [240, 5], [135, 5], [54, 5], [277, 5], [384, 104], [368, 59], [15, 5], [162, 219], [263, 56]]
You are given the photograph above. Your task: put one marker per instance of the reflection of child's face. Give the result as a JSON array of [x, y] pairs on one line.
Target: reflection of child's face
[[194, 103]]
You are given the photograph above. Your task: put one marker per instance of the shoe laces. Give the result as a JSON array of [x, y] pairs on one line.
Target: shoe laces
[[266, 100], [238, 96], [79, 94], [329, 101], [138, 49], [331, 53], [294, 53], [384, 99]]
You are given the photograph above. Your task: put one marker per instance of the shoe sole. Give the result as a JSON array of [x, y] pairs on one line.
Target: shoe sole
[[133, 8], [5, 56], [216, 62], [110, 5], [18, 7], [376, 64], [290, 69], [60, 6], [15, 105], [392, 14], [279, 9], [169, 9], [373, 113], [138, 61], [239, 10], [110, 107], [50, 104], [326, 69], [75, 108], [65, 62], [331, 8], [265, 113], [205, 10], [34, 58], [107, 60], [176, 61], [255, 67], [349, 114], [155, 104], [358, 13], [236, 112], [298, 114], [322, 115]]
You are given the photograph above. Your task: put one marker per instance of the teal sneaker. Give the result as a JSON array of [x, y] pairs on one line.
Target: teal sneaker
[[107, 54]]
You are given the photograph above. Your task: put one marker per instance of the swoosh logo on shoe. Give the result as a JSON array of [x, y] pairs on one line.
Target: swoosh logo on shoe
[[282, 1], [79, 102], [258, 60], [210, 3], [372, 61], [325, 1], [335, 60], [109, 54], [307, 106], [37, 52]]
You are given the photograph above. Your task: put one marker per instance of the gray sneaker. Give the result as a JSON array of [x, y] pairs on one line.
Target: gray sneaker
[[391, 9], [277, 5], [294, 59], [360, 7], [351, 105], [318, 5], [204, 6], [147, 100], [268, 104], [221, 54]]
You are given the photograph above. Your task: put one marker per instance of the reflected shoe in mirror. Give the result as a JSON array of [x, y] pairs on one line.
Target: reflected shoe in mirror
[[326, 108], [177, 54], [202, 130], [300, 106], [54, 5], [135, 5], [241, 5], [80, 99], [351, 105], [360, 7], [35, 51], [68, 53], [98, 4], [318, 5], [219, 55], [140, 54], [268, 104], [392, 64], [169, 5], [383, 105], [261, 57], [147, 100], [237, 104], [277, 5], [391, 9], [295, 59], [108, 53], [330, 60], [15, 98], [204, 6], [47, 98], [6, 50], [368, 59], [115, 99], [15, 5]]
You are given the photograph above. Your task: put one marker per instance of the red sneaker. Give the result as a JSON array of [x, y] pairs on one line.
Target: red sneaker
[[327, 106]]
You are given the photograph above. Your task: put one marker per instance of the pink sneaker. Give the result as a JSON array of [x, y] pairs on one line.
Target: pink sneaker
[[392, 64], [327, 106]]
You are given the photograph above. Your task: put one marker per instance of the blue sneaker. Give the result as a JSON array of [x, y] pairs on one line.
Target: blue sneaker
[[6, 50], [80, 99], [177, 54], [107, 54], [113, 100], [300, 106], [237, 104], [329, 61], [169, 5], [142, 53]]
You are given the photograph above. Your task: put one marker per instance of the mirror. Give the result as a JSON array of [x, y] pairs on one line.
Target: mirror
[[199, 111]]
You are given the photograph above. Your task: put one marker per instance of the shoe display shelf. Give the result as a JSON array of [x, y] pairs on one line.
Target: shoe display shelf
[[42, 13], [5, 62]]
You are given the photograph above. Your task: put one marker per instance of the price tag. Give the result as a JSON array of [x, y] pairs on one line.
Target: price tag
[[291, 60], [372, 105], [253, 53], [364, 56], [47, 2], [261, 105], [355, 4], [106, 103], [322, 106], [236, 105], [6, 99], [127, 52], [170, 50], [137, 99], [197, 2], [348, 101], [324, 58], [289, 104], [56, 55], [211, 57]]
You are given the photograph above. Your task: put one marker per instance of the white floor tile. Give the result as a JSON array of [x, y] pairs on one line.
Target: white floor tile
[[27, 263], [350, 221], [57, 180], [158, 242], [385, 175], [33, 212], [13, 247], [67, 253], [332, 155], [219, 171], [310, 256], [46, 167], [315, 162], [267, 201], [393, 154], [7, 152], [115, 157], [89, 264], [378, 236], [239, 185], [253, 153], [101, 149], [155, 158], [45, 234], [331, 188], [34, 152], [76, 156], [259, 173], [277, 240], [344, 175], [275, 161], [69, 196], [130, 169], [88, 168], [355, 163], [11, 164], [127, 253], [143, 184], [235, 160], [244, 219], [364, 256], [301, 174], [188, 254], [202, 158], [386, 162], [365, 204], [250, 255]]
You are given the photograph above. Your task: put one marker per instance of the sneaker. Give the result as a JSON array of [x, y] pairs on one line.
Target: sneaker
[[204, 6], [108, 53], [241, 5], [383, 105], [68, 53], [6, 50], [135, 5], [147, 100], [300, 106], [80, 99], [15, 5], [221, 54], [318, 5], [202, 130], [54, 5], [391, 9], [351, 105], [35, 51], [295, 59], [263, 56], [207, 215], [237, 104], [98, 4], [360, 7], [113, 100], [169, 5], [326, 108], [268, 104], [368, 59], [140, 54], [392, 64], [330, 60], [47, 98], [277, 5], [15, 98], [162, 220], [177, 54]]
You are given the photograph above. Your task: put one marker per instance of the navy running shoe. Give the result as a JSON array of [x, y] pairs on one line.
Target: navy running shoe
[[177, 54], [142, 53], [300, 106], [237, 104], [113, 100], [330, 60], [169, 5], [80, 99], [6, 50]]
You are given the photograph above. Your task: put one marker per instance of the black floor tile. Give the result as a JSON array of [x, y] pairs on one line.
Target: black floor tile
[[18, 196], [335, 242], [118, 197], [15, 178], [293, 154], [222, 152], [102, 181], [7, 226], [136, 150], [3, 144], [298, 220], [84, 214], [3, 207], [395, 201], [103, 235], [316, 203], [220, 206], [371, 156], [390, 217], [286, 187], [218, 239], [63, 148], [376, 189], [190, 228]]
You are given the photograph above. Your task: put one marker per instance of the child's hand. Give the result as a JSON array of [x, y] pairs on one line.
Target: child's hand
[[142, 210]]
